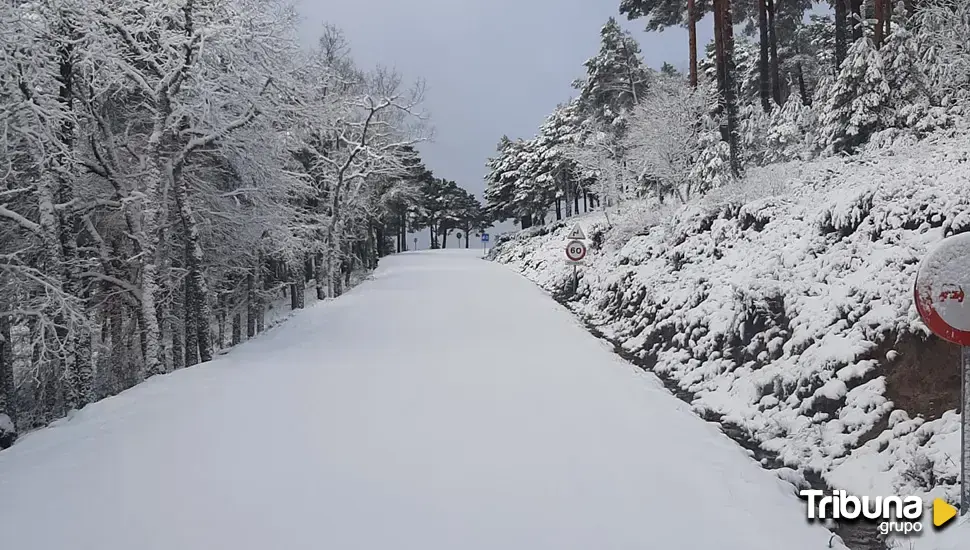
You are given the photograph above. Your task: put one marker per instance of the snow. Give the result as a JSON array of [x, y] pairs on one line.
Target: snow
[[445, 403], [804, 269]]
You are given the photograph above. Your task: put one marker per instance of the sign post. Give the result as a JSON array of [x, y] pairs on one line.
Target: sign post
[[942, 279], [484, 241], [576, 252]]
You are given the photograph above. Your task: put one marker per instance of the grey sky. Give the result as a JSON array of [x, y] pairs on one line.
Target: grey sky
[[492, 67]]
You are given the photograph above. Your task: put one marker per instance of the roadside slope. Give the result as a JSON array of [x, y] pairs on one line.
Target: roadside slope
[[783, 308]]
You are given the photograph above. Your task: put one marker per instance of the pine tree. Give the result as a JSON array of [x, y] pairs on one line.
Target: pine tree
[[713, 167], [616, 78], [909, 97], [667, 13], [553, 169], [501, 179], [787, 136], [858, 100], [669, 70]]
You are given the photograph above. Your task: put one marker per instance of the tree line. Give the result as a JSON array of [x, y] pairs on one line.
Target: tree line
[[790, 86], [172, 169]]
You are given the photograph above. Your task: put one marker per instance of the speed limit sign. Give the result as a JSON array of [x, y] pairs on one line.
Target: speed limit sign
[[575, 251]]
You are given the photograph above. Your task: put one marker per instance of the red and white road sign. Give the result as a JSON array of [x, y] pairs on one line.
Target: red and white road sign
[[575, 251], [941, 283]]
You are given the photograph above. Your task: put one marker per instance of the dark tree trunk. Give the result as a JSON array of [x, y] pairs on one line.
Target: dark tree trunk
[[221, 322], [236, 328], [178, 342], [692, 40], [321, 275], [802, 89], [724, 49], [526, 221], [298, 284], [878, 12], [191, 331], [855, 19], [6, 370], [841, 33], [764, 79], [576, 201], [251, 305], [558, 208], [773, 43], [585, 201]]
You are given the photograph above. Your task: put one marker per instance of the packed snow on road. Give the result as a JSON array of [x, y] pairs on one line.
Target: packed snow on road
[[446, 403]]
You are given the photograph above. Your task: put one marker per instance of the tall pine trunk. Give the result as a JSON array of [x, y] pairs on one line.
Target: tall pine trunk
[[764, 79], [692, 39], [841, 32], [802, 89], [773, 52], [724, 49]]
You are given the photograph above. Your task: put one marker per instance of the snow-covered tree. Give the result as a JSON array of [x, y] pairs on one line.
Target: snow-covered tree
[[663, 137], [616, 78], [170, 168], [712, 169], [789, 133], [942, 29], [858, 100]]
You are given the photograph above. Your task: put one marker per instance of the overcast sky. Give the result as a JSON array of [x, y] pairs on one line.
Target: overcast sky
[[492, 67]]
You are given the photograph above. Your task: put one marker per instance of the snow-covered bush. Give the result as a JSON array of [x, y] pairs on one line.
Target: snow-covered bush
[[8, 432]]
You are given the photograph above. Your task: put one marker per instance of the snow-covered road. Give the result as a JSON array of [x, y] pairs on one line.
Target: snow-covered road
[[447, 404]]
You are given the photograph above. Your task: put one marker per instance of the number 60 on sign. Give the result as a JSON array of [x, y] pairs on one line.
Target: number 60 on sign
[[575, 251]]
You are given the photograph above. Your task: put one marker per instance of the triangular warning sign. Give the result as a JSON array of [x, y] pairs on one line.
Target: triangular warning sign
[[577, 234]]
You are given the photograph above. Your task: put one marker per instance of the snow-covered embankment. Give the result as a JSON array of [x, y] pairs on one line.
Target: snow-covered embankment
[[784, 308]]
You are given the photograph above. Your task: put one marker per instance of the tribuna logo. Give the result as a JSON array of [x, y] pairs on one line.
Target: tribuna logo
[[894, 514]]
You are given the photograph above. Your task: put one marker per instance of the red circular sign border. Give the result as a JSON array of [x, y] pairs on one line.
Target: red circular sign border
[[570, 243], [934, 322]]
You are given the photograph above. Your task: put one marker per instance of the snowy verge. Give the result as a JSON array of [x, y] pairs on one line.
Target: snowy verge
[[783, 307]]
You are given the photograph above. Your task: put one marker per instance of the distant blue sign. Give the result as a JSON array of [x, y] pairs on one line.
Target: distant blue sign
[[484, 237]]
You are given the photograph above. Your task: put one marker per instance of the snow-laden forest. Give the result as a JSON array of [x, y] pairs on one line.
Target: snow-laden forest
[[171, 171], [758, 224], [807, 86]]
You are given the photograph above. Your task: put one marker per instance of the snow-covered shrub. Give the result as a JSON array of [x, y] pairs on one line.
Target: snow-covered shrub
[[8, 432], [846, 214]]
